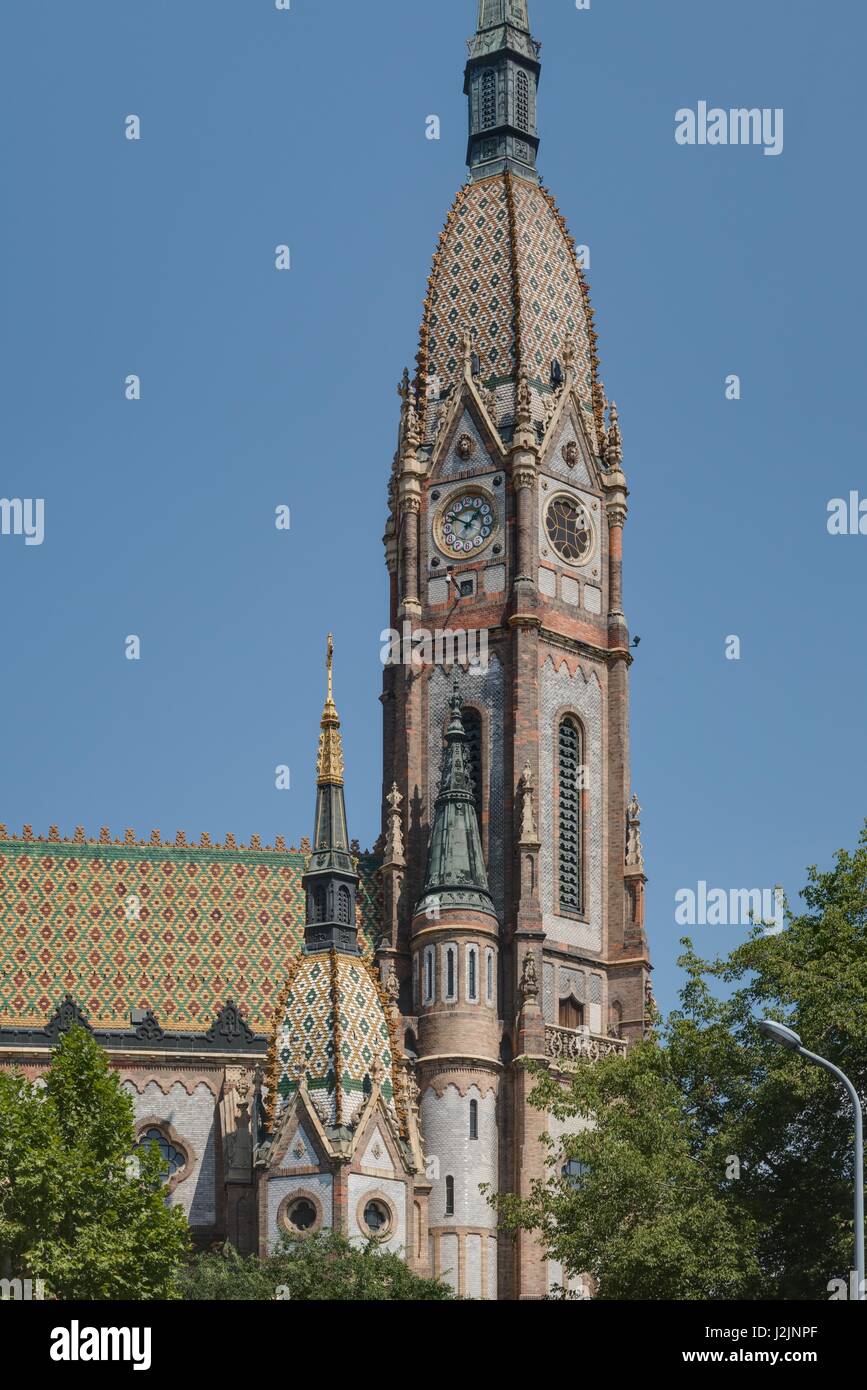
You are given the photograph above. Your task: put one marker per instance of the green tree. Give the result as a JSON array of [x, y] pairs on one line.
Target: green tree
[[326, 1267], [634, 1199], [720, 1165], [77, 1207]]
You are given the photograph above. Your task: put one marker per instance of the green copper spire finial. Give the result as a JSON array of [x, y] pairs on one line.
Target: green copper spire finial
[[456, 875], [501, 82]]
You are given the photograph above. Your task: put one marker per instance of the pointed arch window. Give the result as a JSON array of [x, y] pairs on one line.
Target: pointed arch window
[[569, 782], [489, 98], [473, 731], [320, 903], [344, 905], [522, 101], [474, 1119]]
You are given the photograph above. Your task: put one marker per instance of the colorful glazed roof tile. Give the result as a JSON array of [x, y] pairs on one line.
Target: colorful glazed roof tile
[[174, 928], [335, 1035], [505, 271]]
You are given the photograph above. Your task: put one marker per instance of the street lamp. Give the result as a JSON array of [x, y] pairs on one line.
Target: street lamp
[[788, 1038]]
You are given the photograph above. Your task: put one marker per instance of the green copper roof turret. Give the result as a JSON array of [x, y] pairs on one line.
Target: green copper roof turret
[[456, 875], [501, 82]]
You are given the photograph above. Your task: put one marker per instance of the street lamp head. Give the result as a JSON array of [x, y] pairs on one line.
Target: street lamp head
[[786, 1037]]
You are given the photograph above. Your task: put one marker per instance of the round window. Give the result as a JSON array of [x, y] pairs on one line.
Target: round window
[[301, 1215], [569, 529], [377, 1217]]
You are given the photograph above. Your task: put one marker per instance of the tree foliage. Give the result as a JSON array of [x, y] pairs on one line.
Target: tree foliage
[[326, 1267], [77, 1209], [720, 1165]]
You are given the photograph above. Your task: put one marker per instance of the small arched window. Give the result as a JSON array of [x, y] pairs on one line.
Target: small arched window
[[569, 815], [474, 1119], [571, 1013], [428, 976], [320, 903], [450, 992], [489, 99], [522, 101], [450, 1196], [473, 974], [344, 905], [489, 976]]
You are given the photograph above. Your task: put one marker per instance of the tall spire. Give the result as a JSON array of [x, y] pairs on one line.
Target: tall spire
[[501, 82], [330, 879], [456, 875]]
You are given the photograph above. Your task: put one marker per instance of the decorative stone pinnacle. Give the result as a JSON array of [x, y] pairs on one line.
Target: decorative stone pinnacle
[[614, 439], [634, 848], [329, 765], [394, 850], [528, 823], [529, 979]]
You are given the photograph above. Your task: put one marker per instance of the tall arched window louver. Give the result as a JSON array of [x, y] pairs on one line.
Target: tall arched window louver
[[320, 904], [473, 974], [474, 1119], [489, 99], [569, 815], [473, 730], [522, 101], [344, 906], [450, 1196]]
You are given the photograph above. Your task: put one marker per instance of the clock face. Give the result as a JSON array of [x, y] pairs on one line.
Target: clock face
[[466, 523], [569, 529]]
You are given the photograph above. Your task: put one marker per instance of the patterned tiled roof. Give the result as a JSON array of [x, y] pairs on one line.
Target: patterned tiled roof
[[505, 271], [335, 1035], [176, 929]]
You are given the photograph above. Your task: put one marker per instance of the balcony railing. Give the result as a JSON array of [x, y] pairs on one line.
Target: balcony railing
[[572, 1045]]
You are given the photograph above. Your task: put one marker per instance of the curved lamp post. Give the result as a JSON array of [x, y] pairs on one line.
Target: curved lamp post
[[788, 1038]]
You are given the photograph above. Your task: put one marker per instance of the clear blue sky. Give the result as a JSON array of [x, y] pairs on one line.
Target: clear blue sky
[[308, 127]]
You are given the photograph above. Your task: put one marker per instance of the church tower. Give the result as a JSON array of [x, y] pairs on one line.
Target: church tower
[[507, 506]]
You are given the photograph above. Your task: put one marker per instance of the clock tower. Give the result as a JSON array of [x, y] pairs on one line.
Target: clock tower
[[507, 507]]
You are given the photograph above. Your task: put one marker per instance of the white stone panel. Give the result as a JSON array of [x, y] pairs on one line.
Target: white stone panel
[[473, 1266], [192, 1118], [376, 1154], [492, 1266], [571, 590], [449, 1260], [494, 579], [592, 598], [446, 1135], [548, 583], [320, 1184], [437, 591], [360, 1191]]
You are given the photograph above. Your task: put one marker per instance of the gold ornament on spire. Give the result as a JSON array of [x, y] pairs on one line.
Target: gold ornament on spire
[[329, 764]]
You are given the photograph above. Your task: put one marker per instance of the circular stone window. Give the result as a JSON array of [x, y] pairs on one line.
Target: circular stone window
[[377, 1217], [569, 529], [301, 1215]]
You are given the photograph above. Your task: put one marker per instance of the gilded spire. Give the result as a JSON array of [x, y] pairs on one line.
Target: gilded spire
[[329, 764]]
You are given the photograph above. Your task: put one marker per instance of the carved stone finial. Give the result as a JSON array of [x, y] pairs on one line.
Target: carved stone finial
[[528, 821], [614, 439], [634, 847], [529, 979], [392, 988], [394, 848], [523, 401]]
